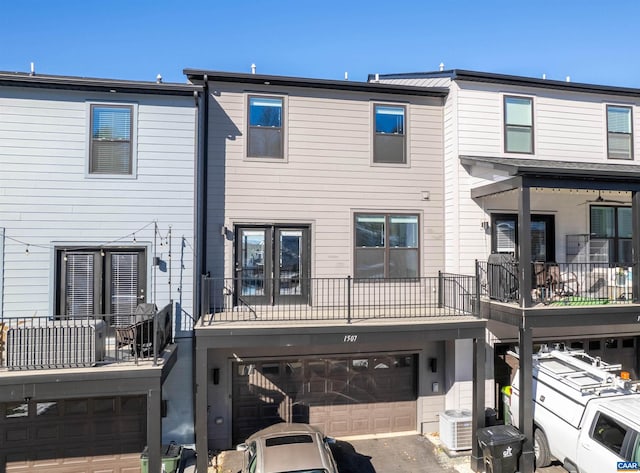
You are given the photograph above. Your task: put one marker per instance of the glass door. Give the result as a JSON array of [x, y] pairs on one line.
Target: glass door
[[272, 265], [253, 270], [291, 271]]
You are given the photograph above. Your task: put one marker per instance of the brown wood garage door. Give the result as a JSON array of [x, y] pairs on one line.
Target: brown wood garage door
[[343, 396], [73, 436]]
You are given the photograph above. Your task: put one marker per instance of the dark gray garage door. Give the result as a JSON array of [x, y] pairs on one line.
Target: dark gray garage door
[[348, 395], [80, 435]]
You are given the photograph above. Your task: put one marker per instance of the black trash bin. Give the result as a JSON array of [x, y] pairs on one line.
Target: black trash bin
[[501, 446]]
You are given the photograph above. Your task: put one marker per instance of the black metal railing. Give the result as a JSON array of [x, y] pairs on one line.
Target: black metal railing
[[346, 299], [558, 283], [76, 342]]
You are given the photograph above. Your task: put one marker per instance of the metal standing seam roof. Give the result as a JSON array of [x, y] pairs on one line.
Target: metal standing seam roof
[[517, 166], [43, 81], [199, 75], [493, 78]]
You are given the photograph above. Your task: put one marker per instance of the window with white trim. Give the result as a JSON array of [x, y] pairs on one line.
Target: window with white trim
[[518, 125], [619, 132], [111, 139]]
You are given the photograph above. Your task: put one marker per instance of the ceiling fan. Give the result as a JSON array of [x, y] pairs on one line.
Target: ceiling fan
[[602, 200]]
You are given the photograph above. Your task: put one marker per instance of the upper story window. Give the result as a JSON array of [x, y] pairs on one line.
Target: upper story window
[[265, 127], [387, 246], [390, 141], [619, 132], [111, 141], [518, 125]]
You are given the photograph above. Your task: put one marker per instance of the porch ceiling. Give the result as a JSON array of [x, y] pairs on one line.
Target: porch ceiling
[[513, 173]]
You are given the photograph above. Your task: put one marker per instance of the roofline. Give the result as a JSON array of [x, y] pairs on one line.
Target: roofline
[[492, 78], [199, 75], [20, 79]]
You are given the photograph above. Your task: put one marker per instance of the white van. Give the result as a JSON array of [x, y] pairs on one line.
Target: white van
[[585, 415]]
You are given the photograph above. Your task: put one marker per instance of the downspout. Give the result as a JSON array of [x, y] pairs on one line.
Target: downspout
[[200, 233]]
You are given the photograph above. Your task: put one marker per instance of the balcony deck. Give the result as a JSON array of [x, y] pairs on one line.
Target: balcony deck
[[335, 301]]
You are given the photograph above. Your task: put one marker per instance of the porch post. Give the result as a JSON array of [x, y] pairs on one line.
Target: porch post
[[478, 401], [201, 414], [154, 430], [524, 245], [635, 221], [525, 419]]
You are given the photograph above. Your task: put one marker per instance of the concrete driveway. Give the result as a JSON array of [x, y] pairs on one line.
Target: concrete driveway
[[403, 454]]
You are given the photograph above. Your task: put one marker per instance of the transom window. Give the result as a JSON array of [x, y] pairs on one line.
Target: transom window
[[387, 246], [265, 127], [390, 143], [619, 132], [518, 125], [111, 144]]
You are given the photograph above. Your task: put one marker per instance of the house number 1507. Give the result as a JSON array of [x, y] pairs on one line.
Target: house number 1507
[[350, 338]]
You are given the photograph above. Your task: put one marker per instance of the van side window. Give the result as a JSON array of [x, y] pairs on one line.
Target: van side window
[[609, 433]]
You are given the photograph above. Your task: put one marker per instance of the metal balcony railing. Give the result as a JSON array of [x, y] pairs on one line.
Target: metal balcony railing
[[290, 299], [558, 284], [87, 341]]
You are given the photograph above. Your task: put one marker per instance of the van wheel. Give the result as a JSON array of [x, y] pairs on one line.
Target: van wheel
[[541, 449]]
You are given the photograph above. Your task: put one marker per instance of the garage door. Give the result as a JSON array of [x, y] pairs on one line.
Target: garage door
[[343, 396], [80, 435]]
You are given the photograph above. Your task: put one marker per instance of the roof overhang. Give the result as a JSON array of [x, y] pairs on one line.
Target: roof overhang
[[198, 76], [18, 79], [513, 173]]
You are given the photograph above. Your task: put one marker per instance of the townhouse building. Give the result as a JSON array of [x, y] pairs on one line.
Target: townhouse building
[[324, 299], [97, 217], [542, 199]]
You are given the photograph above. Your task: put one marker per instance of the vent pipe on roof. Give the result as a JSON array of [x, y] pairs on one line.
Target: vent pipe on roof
[[346, 75], [377, 77], [568, 79], [158, 79], [33, 69], [253, 68], [544, 76], [442, 66]]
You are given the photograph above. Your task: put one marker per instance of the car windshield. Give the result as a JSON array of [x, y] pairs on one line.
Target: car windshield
[[288, 439]]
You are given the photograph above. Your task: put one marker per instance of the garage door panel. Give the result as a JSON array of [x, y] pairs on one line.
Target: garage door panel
[[342, 395], [85, 436]]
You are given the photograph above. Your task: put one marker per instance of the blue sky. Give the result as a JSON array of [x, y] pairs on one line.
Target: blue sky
[[591, 41]]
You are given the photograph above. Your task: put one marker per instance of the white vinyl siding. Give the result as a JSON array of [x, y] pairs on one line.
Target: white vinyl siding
[[48, 201]]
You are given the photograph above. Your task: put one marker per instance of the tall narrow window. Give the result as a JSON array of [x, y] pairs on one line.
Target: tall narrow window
[[386, 246], [518, 125], [111, 150], [619, 132], [265, 128], [611, 234], [390, 142]]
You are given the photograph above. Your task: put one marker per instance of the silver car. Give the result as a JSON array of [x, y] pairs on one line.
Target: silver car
[[288, 448]]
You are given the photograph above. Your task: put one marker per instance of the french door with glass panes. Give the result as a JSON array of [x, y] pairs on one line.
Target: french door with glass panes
[[94, 281], [272, 264]]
